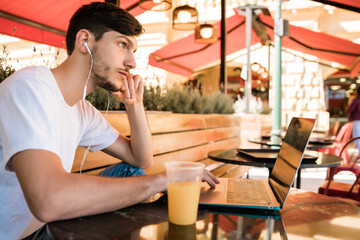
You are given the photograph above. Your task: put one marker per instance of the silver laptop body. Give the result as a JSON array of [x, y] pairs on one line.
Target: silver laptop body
[[268, 194]]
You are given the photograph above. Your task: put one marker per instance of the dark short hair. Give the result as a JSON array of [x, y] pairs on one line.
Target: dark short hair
[[99, 18]]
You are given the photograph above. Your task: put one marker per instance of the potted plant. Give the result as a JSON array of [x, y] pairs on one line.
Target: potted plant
[[5, 68]]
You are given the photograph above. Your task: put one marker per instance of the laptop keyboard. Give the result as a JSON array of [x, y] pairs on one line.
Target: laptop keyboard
[[247, 192]]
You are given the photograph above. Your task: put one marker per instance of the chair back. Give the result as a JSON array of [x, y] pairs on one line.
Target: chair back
[[345, 190], [341, 139], [353, 154], [344, 133]]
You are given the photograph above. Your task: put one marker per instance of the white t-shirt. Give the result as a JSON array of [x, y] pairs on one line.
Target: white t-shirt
[[34, 115]]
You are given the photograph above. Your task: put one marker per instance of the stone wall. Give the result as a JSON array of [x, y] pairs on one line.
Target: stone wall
[[303, 90], [253, 126]]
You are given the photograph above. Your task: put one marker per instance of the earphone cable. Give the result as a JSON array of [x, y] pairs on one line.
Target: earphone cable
[[91, 66], [92, 136]]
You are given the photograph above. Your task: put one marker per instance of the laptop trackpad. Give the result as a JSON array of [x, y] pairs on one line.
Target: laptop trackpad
[[214, 195]]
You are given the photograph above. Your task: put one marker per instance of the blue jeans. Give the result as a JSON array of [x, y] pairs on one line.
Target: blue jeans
[[122, 170]]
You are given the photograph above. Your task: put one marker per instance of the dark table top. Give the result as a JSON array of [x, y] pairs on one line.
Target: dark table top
[[306, 215], [231, 156], [314, 143]]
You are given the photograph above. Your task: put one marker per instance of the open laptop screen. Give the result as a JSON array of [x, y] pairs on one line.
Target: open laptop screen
[[290, 155]]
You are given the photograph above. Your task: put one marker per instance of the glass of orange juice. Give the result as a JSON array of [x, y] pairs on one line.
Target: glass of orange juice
[[183, 187]]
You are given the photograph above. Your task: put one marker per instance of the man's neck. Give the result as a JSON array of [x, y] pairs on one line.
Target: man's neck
[[71, 77]]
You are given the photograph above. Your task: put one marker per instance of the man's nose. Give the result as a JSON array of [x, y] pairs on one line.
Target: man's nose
[[130, 62]]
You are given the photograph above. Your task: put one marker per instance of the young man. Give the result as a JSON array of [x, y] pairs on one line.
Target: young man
[[44, 117]]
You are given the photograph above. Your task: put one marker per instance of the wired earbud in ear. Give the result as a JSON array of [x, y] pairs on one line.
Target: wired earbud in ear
[[87, 48]]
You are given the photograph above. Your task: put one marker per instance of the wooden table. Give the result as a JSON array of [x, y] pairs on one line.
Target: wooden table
[[231, 156], [306, 215]]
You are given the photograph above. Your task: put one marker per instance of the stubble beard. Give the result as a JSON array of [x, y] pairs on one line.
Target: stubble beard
[[100, 73]]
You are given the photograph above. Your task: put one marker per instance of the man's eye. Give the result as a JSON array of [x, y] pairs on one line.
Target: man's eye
[[122, 44]]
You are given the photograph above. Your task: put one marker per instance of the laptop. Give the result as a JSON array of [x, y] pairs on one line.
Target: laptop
[[264, 194]]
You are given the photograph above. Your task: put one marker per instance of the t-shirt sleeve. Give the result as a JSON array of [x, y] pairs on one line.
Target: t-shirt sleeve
[[27, 119], [99, 133]]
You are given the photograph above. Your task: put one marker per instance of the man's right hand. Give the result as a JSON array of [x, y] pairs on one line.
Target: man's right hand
[[131, 91], [210, 179], [54, 194]]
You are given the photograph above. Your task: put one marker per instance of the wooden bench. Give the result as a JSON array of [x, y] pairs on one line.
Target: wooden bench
[[176, 137]]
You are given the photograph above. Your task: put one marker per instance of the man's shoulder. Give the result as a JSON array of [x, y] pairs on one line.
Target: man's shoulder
[[30, 83], [28, 74], [31, 72], [33, 76]]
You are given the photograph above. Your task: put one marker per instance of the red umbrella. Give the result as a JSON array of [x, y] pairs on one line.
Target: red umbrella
[[45, 21], [185, 56]]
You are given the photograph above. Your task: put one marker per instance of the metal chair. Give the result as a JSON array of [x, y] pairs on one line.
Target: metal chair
[[339, 189], [341, 139]]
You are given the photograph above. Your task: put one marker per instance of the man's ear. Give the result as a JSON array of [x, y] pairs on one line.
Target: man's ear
[[83, 36]]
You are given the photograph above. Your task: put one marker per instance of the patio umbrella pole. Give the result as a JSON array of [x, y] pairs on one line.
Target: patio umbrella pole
[[223, 72], [248, 19], [276, 128]]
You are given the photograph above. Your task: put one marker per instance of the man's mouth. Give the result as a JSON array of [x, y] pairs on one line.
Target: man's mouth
[[123, 74]]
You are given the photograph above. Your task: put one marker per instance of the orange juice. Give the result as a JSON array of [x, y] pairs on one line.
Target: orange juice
[[183, 201]]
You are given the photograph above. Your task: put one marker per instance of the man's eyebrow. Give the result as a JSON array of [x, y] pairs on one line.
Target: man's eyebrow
[[129, 42]]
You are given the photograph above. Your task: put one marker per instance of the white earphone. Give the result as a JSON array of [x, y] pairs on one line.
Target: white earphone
[[92, 135], [91, 65], [87, 48], [84, 95]]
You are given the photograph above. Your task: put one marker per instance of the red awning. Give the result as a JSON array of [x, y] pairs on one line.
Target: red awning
[[318, 44], [352, 5], [185, 56], [339, 74], [45, 21]]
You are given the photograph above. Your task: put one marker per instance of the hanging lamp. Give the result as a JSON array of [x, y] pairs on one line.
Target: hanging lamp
[[255, 67], [185, 18], [155, 5], [205, 33]]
